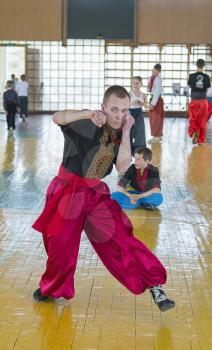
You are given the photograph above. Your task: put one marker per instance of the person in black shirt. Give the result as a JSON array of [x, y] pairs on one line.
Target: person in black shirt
[[144, 178], [199, 82], [78, 200], [10, 102]]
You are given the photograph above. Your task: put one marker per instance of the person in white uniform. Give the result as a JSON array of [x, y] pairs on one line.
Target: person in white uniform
[[22, 91], [156, 110], [138, 100]]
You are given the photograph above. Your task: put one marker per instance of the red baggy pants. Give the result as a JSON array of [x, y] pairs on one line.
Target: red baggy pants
[[198, 116], [87, 205], [156, 117], [209, 109]]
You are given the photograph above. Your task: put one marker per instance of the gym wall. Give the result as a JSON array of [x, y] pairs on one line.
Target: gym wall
[[157, 21]]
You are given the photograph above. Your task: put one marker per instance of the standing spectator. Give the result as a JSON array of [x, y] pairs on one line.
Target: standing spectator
[[209, 97], [22, 91], [198, 107], [138, 100], [14, 80], [10, 102], [156, 111]]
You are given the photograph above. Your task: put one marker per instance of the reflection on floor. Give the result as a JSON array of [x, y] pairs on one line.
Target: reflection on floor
[[103, 315]]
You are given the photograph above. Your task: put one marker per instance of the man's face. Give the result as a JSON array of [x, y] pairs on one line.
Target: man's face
[[140, 163], [116, 109], [155, 72]]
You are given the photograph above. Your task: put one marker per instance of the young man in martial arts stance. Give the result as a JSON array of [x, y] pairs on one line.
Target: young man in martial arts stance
[[78, 200]]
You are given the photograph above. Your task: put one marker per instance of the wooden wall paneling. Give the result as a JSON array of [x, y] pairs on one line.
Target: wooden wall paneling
[[31, 20], [174, 21]]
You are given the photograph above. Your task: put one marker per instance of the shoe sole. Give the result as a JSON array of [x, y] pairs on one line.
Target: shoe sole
[[167, 307]]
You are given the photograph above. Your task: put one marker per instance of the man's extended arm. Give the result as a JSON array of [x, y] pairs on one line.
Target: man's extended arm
[[66, 117]]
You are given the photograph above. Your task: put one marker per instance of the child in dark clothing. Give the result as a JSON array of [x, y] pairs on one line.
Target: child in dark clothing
[[145, 181], [10, 102]]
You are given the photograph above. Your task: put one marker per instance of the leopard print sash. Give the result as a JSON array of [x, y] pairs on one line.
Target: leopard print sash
[[104, 156]]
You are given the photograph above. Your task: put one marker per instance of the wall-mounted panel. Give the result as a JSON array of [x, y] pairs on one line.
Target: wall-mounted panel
[[108, 19]]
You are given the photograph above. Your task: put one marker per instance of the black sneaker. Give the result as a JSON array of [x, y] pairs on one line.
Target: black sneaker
[[38, 296], [161, 299], [148, 207], [194, 137]]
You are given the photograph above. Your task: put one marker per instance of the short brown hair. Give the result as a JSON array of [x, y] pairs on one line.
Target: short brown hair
[[147, 153], [137, 78], [117, 90], [9, 83]]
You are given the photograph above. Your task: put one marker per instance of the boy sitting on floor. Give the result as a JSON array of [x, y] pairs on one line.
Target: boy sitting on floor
[[144, 178]]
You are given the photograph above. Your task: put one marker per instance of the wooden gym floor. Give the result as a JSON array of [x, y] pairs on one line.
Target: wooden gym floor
[[104, 315]]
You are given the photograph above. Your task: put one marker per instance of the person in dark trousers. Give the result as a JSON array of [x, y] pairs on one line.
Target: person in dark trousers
[[138, 101], [199, 82], [77, 199], [144, 179], [10, 102]]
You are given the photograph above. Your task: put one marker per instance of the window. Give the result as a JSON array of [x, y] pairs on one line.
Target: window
[[77, 75]]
